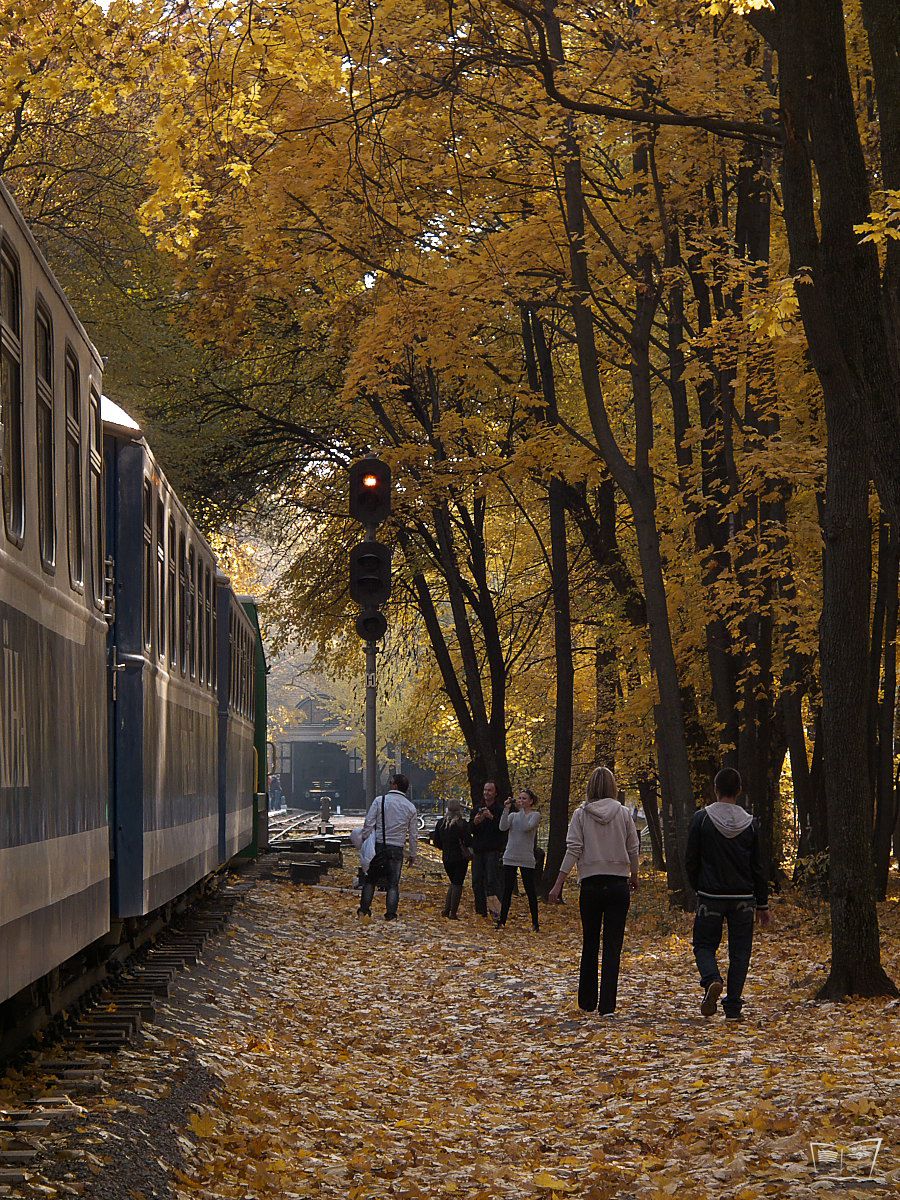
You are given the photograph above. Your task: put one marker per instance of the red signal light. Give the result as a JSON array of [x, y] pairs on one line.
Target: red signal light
[[370, 491]]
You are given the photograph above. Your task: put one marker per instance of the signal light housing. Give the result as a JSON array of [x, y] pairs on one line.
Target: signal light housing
[[370, 492], [371, 625], [370, 574]]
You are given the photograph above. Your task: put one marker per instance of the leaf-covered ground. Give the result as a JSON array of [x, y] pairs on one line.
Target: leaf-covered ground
[[428, 1058]]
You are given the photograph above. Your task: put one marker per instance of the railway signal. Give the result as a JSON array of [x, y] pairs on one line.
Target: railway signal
[[370, 580], [371, 625], [370, 574], [370, 492]]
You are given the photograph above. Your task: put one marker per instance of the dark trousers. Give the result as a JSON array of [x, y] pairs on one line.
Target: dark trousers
[[739, 915], [509, 882], [456, 871], [603, 902], [486, 881], [391, 881]]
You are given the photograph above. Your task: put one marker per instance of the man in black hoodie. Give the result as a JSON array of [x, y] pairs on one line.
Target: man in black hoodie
[[723, 867]]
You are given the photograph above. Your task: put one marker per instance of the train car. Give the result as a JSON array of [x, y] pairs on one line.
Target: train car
[[260, 838], [237, 722], [54, 837], [163, 712]]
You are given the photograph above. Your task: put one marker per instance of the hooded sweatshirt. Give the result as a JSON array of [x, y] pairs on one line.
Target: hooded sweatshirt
[[722, 860], [602, 840]]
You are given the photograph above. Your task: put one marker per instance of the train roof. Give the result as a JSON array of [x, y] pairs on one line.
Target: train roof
[[15, 213], [115, 416], [120, 423]]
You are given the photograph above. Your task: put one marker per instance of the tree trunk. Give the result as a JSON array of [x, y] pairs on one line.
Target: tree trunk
[[847, 327], [885, 791], [636, 483], [855, 950], [561, 785], [649, 794]]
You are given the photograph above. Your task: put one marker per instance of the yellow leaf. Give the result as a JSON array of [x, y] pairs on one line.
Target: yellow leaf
[[545, 1180], [203, 1127]]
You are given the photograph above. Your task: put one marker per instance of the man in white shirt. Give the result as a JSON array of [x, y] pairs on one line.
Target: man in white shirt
[[393, 819]]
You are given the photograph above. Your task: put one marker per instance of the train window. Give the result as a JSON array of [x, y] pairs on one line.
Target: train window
[[160, 579], [252, 679], [201, 624], [210, 639], [46, 457], [173, 595], [74, 493], [192, 611], [182, 603], [149, 564], [242, 698], [11, 416], [95, 493], [232, 661], [215, 641]]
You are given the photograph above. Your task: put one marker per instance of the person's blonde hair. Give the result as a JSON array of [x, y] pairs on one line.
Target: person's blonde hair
[[602, 785], [454, 812]]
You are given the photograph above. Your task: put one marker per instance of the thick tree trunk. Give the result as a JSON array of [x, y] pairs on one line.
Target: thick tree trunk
[[849, 334], [885, 790], [855, 950]]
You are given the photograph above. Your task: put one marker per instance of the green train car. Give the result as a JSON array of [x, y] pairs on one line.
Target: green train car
[[260, 840]]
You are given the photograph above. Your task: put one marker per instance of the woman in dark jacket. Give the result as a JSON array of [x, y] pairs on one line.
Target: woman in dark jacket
[[454, 839]]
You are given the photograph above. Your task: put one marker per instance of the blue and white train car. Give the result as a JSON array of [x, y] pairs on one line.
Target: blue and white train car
[[164, 713], [54, 836]]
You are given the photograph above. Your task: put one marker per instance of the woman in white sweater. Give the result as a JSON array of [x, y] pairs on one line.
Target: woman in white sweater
[[603, 842], [521, 819]]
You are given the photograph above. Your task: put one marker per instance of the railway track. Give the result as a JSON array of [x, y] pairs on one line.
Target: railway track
[[110, 1013]]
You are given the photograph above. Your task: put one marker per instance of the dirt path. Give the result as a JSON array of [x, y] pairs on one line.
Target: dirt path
[[424, 1058]]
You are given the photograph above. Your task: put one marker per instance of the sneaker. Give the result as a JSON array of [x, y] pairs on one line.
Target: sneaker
[[536, 928], [390, 916], [498, 924], [711, 999], [734, 1016], [363, 912]]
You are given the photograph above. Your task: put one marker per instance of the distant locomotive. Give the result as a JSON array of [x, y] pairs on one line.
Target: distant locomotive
[[131, 745]]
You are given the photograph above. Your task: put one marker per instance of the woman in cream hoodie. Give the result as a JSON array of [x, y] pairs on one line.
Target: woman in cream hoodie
[[603, 842]]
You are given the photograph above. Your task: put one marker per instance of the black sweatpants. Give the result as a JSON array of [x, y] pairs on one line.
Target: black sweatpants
[[603, 902], [530, 884]]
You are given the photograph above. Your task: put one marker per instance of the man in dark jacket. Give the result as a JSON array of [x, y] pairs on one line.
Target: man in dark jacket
[[488, 844], [723, 867]]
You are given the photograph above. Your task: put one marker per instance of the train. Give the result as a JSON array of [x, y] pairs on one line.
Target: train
[[132, 677]]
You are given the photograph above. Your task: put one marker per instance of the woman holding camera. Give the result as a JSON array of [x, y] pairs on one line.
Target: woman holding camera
[[521, 819]]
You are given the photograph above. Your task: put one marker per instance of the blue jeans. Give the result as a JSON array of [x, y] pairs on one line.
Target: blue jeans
[[487, 873], [712, 914], [603, 902], [391, 881]]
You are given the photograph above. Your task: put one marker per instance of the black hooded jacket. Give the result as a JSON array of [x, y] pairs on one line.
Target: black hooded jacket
[[722, 858], [487, 836]]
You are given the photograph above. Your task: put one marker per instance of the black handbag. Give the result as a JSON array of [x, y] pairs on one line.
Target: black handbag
[[539, 859], [379, 864]]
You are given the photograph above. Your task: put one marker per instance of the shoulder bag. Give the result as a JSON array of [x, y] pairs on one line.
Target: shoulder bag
[[379, 863]]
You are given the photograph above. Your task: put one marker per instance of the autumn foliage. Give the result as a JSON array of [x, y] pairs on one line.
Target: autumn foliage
[[622, 315]]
